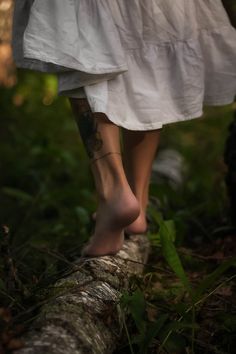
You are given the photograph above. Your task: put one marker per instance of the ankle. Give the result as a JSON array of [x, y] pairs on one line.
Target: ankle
[[122, 207], [113, 189], [109, 176]]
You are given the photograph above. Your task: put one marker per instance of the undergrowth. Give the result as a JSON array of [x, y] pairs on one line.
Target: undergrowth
[[177, 311]]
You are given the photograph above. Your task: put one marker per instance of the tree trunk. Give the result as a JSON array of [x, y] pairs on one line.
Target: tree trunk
[[82, 314]]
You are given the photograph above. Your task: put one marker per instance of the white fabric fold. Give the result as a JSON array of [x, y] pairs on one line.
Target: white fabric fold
[[144, 63]]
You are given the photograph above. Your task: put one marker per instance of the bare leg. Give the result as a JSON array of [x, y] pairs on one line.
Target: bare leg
[[139, 152], [118, 207]]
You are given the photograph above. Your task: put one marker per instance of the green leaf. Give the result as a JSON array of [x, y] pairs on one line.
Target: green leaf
[[152, 331], [180, 308], [170, 228], [175, 325], [167, 235], [82, 215], [137, 306], [229, 322], [67, 158], [17, 194], [2, 284], [210, 279], [176, 343], [154, 239], [156, 215]]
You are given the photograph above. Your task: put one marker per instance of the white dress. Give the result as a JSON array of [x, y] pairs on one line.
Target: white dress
[[144, 63]]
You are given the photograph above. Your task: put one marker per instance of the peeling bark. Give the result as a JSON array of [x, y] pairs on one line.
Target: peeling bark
[[82, 315]]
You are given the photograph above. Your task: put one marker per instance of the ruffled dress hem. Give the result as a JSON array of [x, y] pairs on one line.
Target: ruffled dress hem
[[160, 57]]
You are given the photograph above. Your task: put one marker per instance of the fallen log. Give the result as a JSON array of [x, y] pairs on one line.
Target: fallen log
[[82, 314]]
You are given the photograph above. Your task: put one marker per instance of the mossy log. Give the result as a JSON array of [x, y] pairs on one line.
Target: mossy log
[[83, 314]]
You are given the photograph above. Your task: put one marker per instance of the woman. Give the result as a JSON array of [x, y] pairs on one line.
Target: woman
[[134, 65]]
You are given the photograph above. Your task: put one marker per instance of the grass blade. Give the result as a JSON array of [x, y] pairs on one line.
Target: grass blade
[[167, 235]]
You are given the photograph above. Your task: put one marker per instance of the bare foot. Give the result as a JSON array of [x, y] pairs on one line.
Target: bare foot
[[138, 226], [112, 216]]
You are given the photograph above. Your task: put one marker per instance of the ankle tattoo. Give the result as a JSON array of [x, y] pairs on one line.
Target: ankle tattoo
[[90, 135], [100, 157]]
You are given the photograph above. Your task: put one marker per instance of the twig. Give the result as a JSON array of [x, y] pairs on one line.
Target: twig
[[193, 306], [12, 280]]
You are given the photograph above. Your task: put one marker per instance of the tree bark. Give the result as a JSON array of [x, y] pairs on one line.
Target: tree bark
[[83, 312]]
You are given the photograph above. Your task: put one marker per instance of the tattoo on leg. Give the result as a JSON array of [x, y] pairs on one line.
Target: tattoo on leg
[[90, 135]]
